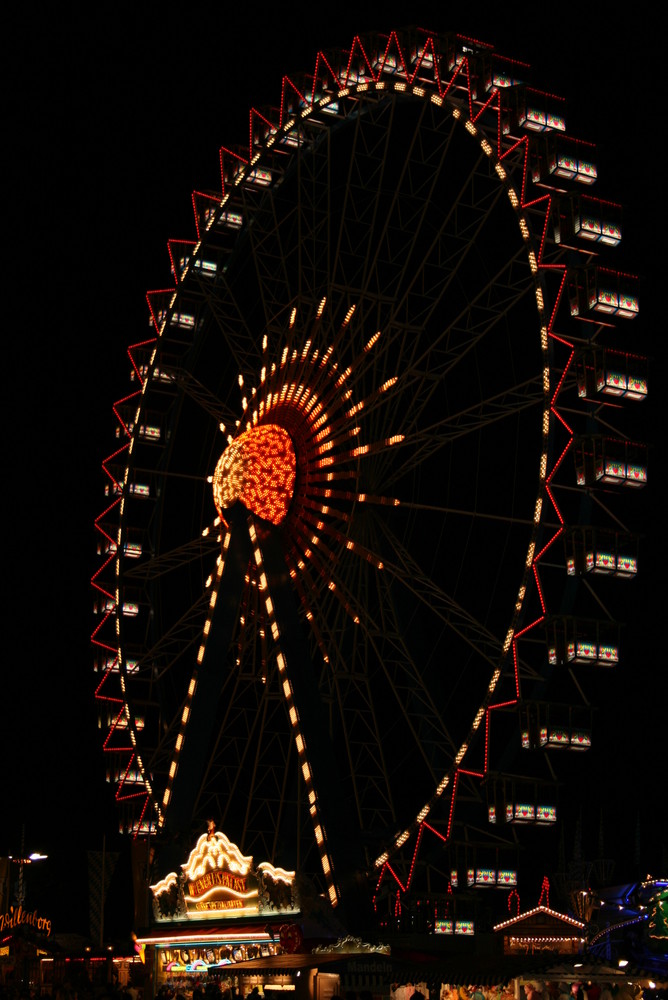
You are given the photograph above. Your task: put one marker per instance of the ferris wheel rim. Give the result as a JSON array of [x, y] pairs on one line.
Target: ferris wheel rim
[[469, 125], [548, 393]]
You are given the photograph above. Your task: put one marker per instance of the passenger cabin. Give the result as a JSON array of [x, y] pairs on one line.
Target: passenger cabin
[[478, 77], [609, 461], [601, 551], [118, 774], [602, 372], [545, 726], [600, 290], [503, 878], [149, 429], [521, 801], [596, 221], [531, 109], [142, 490], [176, 320], [424, 70], [132, 549], [489, 878], [118, 720], [388, 64], [507, 72], [544, 112], [562, 158], [573, 641], [105, 664]]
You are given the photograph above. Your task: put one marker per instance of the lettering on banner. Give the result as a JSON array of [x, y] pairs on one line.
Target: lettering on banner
[[17, 916]]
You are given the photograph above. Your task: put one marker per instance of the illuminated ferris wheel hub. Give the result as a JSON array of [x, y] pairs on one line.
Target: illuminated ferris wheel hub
[[258, 468]]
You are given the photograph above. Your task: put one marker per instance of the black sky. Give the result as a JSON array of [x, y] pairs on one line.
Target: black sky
[[115, 117]]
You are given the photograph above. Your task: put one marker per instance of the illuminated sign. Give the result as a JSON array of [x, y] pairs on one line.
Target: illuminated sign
[[202, 886], [218, 879], [16, 917]]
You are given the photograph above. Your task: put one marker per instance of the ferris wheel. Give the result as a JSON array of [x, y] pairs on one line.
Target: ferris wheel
[[365, 456]]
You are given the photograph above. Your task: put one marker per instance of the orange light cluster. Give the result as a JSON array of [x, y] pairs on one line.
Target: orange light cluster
[[258, 468]]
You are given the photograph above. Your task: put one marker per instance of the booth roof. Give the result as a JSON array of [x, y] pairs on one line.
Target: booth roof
[[459, 971], [471, 970]]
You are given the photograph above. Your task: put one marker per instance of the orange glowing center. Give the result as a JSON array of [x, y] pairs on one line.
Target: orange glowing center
[[257, 468]]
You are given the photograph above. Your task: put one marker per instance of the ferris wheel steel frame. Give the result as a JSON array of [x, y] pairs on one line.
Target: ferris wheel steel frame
[[461, 92]]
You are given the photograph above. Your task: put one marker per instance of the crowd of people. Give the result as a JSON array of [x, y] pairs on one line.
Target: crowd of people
[[80, 989]]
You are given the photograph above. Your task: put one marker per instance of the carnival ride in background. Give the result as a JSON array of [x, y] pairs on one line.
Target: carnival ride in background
[[368, 507]]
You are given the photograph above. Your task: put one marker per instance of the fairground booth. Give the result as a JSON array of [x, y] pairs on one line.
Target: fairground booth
[[217, 915], [225, 925]]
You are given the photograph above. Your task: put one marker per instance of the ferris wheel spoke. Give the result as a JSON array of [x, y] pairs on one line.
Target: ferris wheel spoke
[[312, 220], [420, 445], [491, 300], [449, 250], [229, 315], [407, 207], [477, 317], [425, 372], [287, 250], [370, 224], [158, 565], [462, 622], [466, 331], [421, 185], [180, 637], [382, 642], [363, 741], [486, 645], [384, 637], [409, 680], [207, 400], [407, 505], [355, 690], [367, 156], [271, 257], [415, 721]]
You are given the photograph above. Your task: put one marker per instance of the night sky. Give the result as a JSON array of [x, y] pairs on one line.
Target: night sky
[[115, 117]]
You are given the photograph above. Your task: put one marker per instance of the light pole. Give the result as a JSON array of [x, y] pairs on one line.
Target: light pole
[[22, 861]]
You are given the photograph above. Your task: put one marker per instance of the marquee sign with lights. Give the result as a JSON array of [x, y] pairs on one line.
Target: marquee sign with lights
[[219, 881]]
